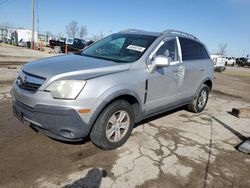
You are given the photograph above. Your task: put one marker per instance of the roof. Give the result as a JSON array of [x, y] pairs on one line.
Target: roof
[[157, 34], [141, 32]]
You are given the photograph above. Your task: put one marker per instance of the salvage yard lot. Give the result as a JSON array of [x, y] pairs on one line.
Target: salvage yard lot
[[175, 149]]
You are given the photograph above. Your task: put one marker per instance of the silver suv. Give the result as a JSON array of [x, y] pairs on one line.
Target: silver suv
[[116, 82]]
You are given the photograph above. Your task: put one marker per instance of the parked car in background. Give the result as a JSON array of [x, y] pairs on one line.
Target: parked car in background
[[73, 45], [105, 89], [230, 61], [57, 45], [219, 62], [243, 61]]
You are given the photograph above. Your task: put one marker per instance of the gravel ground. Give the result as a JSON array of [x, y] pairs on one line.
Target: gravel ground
[[175, 149], [234, 81]]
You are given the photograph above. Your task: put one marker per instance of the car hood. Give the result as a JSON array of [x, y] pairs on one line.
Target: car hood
[[78, 66]]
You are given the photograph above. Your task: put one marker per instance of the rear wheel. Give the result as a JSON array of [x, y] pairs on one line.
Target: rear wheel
[[200, 101], [114, 125]]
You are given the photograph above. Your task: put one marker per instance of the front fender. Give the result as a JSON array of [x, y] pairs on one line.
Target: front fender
[[110, 95]]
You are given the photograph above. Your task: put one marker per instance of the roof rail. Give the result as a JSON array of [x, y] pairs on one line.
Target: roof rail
[[179, 33], [131, 31]]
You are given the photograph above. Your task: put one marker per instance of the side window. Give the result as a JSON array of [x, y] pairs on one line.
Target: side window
[[192, 50], [203, 52], [189, 49], [169, 49], [76, 41]]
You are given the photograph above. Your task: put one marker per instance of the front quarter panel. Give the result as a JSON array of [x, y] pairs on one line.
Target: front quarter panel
[[104, 89]]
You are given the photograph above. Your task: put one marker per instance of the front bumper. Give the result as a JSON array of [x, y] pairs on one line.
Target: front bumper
[[62, 123]]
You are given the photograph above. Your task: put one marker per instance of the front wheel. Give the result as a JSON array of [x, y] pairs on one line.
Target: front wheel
[[200, 101], [114, 125], [57, 49]]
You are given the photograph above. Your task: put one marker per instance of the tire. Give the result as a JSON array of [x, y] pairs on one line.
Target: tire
[[57, 49], [200, 101], [104, 133]]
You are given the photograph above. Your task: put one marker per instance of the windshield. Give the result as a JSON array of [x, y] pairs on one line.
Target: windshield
[[120, 47]]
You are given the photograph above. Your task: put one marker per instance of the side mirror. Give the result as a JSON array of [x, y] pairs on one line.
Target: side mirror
[[160, 61]]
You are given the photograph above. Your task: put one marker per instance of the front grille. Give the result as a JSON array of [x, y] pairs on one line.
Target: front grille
[[29, 86], [29, 82]]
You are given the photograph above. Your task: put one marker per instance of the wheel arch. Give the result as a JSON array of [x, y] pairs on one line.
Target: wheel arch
[[127, 95], [209, 83]]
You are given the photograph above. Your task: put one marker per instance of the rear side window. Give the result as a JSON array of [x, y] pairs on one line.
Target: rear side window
[[203, 52], [192, 50]]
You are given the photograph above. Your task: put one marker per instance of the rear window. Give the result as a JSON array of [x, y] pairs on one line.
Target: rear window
[[192, 50]]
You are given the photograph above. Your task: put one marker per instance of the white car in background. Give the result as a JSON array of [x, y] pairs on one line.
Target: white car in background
[[230, 61], [219, 62]]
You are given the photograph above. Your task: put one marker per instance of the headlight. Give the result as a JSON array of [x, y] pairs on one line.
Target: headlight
[[66, 89]]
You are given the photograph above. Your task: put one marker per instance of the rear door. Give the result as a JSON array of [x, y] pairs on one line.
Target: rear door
[[195, 59]]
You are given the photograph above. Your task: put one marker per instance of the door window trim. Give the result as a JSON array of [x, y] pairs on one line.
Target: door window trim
[[179, 53]]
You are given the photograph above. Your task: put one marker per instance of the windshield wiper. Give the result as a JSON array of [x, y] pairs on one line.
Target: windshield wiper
[[105, 58]]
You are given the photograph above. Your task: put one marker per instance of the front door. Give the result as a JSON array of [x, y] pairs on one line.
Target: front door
[[165, 82]]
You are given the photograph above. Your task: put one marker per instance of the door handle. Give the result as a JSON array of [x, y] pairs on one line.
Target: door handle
[[177, 72], [202, 69]]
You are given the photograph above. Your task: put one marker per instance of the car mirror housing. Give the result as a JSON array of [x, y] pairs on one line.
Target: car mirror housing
[[159, 61]]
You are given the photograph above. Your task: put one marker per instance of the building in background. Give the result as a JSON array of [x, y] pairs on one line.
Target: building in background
[[17, 36]]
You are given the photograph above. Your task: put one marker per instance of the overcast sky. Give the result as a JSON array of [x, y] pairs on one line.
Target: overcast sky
[[212, 21]]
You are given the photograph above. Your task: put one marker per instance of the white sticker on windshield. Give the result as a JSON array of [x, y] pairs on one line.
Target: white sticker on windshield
[[136, 48]]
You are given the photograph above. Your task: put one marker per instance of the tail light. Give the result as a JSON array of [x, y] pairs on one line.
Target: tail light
[[215, 61]]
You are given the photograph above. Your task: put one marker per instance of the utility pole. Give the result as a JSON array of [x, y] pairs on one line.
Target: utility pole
[[33, 24]]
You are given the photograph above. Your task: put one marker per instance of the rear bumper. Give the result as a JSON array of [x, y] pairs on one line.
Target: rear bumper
[[61, 123], [216, 68]]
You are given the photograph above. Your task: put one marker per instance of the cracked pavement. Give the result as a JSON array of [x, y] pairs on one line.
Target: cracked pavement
[[174, 149], [178, 148]]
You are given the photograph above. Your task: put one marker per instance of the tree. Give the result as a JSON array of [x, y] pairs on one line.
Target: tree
[[222, 48], [72, 29], [83, 32], [97, 37], [48, 33], [6, 25], [60, 35]]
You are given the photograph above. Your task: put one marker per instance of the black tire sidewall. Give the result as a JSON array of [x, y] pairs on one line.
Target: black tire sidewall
[[98, 133], [204, 87]]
